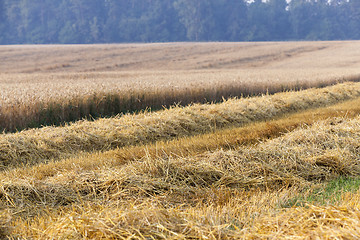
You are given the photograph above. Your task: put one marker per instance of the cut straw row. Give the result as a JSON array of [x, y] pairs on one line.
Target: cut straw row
[[164, 191], [40, 145]]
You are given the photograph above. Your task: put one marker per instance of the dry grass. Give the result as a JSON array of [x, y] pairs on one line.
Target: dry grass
[[40, 145], [311, 222], [224, 194], [151, 219], [204, 171], [189, 146]]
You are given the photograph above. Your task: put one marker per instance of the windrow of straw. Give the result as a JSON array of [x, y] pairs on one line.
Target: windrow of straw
[[32, 146], [190, 146], [147, 221], [153, 219], [192, 197], [310, 222], [322, 152]]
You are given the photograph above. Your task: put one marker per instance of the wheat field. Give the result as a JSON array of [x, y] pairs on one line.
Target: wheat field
[[254, 141], [51, 85]]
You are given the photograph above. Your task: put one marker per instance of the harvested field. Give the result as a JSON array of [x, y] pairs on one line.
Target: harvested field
[[269, 164], [37, 145], [205, 194]]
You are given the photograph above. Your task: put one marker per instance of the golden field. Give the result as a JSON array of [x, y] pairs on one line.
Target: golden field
[[46, 85], [178, 56], [257, 163]]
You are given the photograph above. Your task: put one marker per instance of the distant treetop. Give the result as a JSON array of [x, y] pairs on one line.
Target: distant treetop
[[114, 21]]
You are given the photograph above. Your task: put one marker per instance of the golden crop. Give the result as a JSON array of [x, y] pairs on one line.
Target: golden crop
[[252, 167], [47, 85], [234, 194], [39, 145]]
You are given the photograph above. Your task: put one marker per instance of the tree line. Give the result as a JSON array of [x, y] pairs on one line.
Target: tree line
[[112, 21]]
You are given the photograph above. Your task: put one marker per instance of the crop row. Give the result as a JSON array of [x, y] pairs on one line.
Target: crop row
[[36, 145], [31, 101], [218, 194]]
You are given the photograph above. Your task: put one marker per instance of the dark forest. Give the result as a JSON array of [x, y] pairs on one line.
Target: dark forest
[[118, 21]]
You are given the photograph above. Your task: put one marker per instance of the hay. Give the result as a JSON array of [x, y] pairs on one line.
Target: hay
[[40, 145]]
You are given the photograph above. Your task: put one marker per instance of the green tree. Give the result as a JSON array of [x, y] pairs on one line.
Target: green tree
[[15, 28], [2, 22], [114, 12], [161, 23], [89, 17], [258, 21], [302, 18], [197, 18], [95, 21], [354, 15], [279, 20], [338, 17], [235, 15], [81, 21]]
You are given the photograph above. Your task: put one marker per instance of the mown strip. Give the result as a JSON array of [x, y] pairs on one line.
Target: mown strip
[[189, 146], [175, 186], [231, 138], [40, 145], [84, 165], [87, 183], [340, 221], [325, 194]]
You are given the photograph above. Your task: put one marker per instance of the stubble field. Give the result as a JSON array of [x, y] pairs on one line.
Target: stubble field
[[200, 141]]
